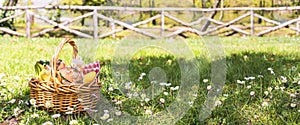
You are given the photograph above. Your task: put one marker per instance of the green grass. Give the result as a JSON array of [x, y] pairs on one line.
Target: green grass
[[245, 57]]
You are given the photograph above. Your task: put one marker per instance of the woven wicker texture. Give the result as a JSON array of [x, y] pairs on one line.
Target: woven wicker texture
[[53, 95]]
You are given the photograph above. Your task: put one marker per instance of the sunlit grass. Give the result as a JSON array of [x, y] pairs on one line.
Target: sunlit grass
[[262, 80]]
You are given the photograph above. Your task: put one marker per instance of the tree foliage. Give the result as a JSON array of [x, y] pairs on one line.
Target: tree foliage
[[84, 2], [6, 13]]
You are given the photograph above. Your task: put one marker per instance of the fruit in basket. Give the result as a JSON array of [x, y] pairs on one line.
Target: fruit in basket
[[40, 65], [89, 77], [44, 75]]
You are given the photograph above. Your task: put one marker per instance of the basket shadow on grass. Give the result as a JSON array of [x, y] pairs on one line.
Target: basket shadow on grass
[[234, 108]]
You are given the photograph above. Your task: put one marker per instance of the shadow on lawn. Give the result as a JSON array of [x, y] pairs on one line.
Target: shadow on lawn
[[239, 107]]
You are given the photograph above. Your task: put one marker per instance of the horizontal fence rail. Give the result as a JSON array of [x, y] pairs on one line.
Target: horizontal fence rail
[[147, 9], [117, 25]]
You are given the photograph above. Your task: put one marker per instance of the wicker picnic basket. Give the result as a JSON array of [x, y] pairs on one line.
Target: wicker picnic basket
[[64, 98]]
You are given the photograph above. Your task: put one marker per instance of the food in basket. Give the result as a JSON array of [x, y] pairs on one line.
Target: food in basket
[[39, 66], [60, 64], [89, 77], [68, 74], [42, 68], [71, 74], [44, 74]]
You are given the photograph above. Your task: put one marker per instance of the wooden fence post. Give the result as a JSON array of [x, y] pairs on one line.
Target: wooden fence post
[[27, 23], [113, 28], [252, 22], [162, 32], [95, 21], [297, 26]]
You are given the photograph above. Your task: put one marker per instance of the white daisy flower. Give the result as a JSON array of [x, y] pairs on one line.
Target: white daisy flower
[[293, 105], [17, 78], [283, 79], [118, 113], [129, 95], [70, 109], [47, 123], [73, 122], [69, 112], [148, 112], [292, 95], [240, 82], [105, 116], [2, 75], [105, 111], [218, 103], [174, 88], [17, 111], [168, 84], [265, 104], [260, 76], [246, 78], [110, 88], [266, 92], [140, 78], [248, 87], [54, 116], [251, 77], [169, 62], [32, 102], [270, 89], [109, 120], [119, 102], [128, 85], [34, 115], [208, 87], [282, 88], [162, 100], [191, 103], [252, 93], [205, 80], [48, 104], [162, 84], [147, 99]]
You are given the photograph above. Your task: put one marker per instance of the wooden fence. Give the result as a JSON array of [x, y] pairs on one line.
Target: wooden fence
[[118, 26]]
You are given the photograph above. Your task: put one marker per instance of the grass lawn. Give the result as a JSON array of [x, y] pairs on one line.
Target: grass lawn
[[262, 83]]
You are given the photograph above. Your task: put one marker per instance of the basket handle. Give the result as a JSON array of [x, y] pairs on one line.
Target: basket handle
[[56, 54]]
